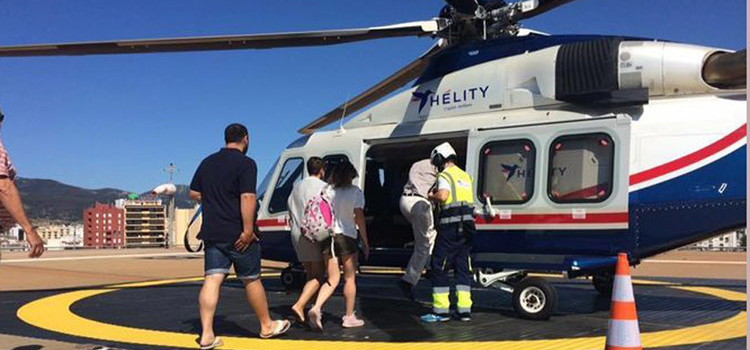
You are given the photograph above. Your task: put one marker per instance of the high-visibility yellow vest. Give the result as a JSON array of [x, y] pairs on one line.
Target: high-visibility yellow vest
[[461, 186]]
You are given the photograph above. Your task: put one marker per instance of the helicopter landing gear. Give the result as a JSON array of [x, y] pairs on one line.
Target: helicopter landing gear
[[533, 297], [603, 282], [293, 277]]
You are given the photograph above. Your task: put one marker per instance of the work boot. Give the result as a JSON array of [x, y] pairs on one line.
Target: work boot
[[464, 316], [406, 289]]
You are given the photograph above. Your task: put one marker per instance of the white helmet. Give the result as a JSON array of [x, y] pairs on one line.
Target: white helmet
[[440, 153]]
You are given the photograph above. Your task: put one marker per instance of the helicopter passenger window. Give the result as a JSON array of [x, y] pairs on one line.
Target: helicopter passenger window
[[506, 172], [581, 168], [290, 174]]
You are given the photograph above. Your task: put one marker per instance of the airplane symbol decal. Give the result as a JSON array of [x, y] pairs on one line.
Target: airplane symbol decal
[[509, 170], [422, 97]]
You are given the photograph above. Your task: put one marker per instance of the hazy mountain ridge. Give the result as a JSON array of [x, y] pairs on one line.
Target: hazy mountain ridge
[[50, 200]]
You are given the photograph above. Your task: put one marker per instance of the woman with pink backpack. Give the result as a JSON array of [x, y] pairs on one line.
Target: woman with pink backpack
[[348, 204]]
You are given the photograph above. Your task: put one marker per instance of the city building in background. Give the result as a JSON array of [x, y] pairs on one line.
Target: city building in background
[[12, 238], [735, 240], [182, 219], [145, 222], [59, 236], [104, 226]]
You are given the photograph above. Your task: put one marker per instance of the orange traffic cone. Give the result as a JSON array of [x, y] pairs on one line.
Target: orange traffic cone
[[623, 332]]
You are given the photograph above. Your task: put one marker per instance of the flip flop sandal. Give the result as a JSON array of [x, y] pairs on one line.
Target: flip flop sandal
[[281, 327], [217, 343]]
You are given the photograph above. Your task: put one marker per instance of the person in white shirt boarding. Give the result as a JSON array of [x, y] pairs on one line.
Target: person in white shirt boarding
[[224, 183], [418, 210], [308, 252], [348, 205]]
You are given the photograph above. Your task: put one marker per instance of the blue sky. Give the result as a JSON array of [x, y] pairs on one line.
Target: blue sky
[[117, 121]]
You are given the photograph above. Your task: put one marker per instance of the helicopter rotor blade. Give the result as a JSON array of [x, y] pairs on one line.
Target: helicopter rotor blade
[[231, 42], [396, 80]]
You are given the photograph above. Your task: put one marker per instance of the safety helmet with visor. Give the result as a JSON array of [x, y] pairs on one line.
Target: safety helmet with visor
[[441, 154]]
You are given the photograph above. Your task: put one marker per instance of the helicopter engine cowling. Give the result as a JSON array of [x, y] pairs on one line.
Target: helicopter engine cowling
[[612, 71], [668, 69]]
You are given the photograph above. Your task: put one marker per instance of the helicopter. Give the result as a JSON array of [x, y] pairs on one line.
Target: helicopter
[[581, 146]]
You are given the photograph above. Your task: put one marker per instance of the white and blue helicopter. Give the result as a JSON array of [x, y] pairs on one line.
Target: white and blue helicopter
[[581, 146]]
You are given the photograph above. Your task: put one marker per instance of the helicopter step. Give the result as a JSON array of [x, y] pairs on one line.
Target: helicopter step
[[533, 298]]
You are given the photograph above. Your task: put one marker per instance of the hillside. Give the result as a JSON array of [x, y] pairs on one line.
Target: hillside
[[49, 200]]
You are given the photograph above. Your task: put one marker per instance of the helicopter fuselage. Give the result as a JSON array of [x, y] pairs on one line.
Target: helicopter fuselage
[[580, 147]]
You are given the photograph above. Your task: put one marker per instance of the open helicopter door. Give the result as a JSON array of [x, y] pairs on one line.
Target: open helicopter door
[[554, 196]]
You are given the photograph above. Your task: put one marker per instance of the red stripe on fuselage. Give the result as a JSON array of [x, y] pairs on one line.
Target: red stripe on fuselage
[[691, 158], [591, 218], [271, 222]]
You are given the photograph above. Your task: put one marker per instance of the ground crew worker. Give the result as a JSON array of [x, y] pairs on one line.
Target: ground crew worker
[[456, 229]]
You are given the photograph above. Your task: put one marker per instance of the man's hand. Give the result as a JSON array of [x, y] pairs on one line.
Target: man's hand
[[246, 239], [36, 245]]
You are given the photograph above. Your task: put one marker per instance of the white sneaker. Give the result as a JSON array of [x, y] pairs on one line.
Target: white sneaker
[[351, 321]]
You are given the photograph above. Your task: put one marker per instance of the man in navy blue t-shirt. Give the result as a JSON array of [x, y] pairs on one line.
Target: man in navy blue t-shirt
[[225, 185]]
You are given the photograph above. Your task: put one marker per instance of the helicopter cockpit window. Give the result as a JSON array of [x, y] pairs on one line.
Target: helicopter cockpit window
[[264, 184], [506, 172], [291, 173], [581, 168]]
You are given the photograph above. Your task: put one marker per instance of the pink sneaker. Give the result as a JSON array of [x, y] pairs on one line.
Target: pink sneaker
[[351, 321]]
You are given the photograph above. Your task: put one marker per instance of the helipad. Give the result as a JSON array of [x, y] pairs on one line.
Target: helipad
[[674, 314]]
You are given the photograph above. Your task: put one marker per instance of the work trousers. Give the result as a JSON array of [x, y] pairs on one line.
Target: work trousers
[[452, 249], [419, 213]]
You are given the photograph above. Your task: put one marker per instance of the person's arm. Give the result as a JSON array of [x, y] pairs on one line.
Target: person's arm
[[195, 184], [11, 200], [195, 195], [359, 219], [248, 202], [247, 208], [439, 196]]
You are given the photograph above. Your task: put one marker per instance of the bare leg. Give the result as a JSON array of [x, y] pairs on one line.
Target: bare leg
[[256, 297], [350, 287], [314, 271], [207, 300], [327, 288]]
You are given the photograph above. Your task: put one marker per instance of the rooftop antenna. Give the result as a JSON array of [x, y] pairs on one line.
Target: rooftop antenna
[[171, 169]]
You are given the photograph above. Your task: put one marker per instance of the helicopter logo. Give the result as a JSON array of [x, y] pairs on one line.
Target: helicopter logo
[[509, 170], [450, 97], [421, 97]]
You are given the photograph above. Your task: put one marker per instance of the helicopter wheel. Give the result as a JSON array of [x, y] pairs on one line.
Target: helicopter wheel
[[293, 278], [534, 299]]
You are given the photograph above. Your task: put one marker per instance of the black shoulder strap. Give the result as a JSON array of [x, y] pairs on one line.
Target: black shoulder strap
[[186, 237]]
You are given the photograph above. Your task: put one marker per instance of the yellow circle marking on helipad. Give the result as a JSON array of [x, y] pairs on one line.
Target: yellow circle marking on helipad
[[53, 314]]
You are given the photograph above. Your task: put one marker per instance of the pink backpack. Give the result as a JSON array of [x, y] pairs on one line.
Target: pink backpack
[[317, 219]]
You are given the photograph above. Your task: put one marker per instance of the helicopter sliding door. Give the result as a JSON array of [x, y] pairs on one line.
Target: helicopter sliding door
[[555, 195]]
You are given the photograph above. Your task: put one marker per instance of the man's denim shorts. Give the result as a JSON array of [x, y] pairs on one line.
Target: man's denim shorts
[[220, 256]]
